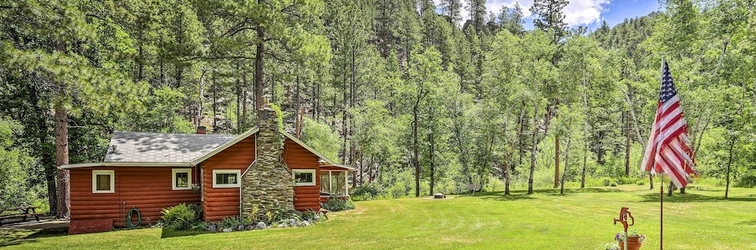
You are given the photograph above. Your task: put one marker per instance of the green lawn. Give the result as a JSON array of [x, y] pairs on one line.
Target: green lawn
[[582, 219]]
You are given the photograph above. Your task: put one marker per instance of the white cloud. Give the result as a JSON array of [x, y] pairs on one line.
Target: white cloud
[[580, 12], [577, 12]]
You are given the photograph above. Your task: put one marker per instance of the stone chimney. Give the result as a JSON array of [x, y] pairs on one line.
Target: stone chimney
[[201, 130], [268, 183]]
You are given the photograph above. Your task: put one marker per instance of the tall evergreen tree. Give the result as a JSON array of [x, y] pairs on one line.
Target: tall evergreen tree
[[549, 17]]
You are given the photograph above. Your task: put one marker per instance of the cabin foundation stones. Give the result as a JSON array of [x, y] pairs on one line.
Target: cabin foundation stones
[[268, 183]]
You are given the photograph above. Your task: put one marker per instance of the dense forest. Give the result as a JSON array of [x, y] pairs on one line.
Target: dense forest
[[414, 96]]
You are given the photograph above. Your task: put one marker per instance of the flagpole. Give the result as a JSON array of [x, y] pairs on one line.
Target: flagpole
[[661, 187], [661, 212]]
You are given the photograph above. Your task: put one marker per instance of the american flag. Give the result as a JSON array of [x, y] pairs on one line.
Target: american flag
[[668, 149]]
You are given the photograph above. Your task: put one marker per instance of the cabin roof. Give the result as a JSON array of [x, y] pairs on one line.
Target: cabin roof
[[180, 150], [162, 147]]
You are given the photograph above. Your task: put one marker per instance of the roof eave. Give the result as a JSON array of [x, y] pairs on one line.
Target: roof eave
[[127, 164], [348, 168]]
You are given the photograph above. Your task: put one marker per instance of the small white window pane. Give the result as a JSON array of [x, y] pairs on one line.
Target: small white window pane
[[226, 178], [304, 177]]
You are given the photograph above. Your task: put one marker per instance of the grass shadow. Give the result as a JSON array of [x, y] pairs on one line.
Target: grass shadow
[[523, 195], [170, 233], [750, 223], [10, 237], [689, 197], [555, 191], [500, 196]]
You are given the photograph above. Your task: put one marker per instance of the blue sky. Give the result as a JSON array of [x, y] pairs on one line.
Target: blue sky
[[618, 10], [585, 12]]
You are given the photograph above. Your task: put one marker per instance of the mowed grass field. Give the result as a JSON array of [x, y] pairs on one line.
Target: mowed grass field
[[581, 219]]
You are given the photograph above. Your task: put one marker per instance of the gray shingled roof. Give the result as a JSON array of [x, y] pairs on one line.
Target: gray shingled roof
[[166, 148]]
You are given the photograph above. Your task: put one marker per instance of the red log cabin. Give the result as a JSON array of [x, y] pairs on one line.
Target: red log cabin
[[153, 171]]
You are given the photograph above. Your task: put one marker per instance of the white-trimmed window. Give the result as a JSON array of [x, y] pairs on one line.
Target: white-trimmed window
[[226, 178], [303, 177], [103, 181], [182, 178]]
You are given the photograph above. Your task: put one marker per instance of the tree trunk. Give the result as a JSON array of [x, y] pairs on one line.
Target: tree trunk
[[432, 163], [215, 108], [566, 160], [179, 74], [520, 123], [352, 94], [61, 158], [272, 95], [46, 158], [61, 147], [198, 119], [505, 168], [585, 128], [651, 181], [627, 144], [245, 87], [415, 159], [371, 164], [535, 147], [259, 84], [344, 117], [298, 126], [556, 161], [729, 163], [238, 104], [362, 170]]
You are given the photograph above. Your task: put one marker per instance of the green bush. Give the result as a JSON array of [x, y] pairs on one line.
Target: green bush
[[179, 217], [626, 180], [607, 181], [747, 180], [640, 182], [230, 222], [368, 191], [309, 214], [338, 204]]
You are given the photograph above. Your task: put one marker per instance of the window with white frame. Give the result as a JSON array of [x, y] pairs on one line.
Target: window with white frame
[[182, 178], [103, 181], [303, 177], [226, 178]]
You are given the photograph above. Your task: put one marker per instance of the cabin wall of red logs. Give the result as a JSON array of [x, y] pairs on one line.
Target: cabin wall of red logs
[[148, 189], [219, 203], [297, 157]]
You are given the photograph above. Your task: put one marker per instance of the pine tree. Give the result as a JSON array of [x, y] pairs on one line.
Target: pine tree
[[550, 17]]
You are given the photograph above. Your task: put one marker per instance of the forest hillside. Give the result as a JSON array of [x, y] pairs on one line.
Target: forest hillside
[[417, 99]]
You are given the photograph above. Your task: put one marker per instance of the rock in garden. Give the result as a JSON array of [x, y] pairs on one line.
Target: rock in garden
[[212, 228], [240, 228], [439, 196], [282, 225], [293, 222], [305, 224], [250, 227], [260, 225], [316, 217], [226, 230]]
